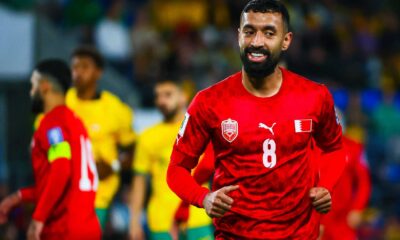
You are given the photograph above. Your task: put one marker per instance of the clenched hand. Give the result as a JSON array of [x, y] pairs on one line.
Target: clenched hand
[[321, 199], [217, 203]]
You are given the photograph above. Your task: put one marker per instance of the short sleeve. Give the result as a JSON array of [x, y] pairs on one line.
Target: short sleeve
[[143, 157], [328, 132], [194, 134], [126, 135]]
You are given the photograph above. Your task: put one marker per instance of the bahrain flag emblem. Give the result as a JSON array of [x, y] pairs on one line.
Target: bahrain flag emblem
[[303, 125]]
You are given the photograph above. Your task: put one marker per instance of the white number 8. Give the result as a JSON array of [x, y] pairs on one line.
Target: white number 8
[[269, 156]]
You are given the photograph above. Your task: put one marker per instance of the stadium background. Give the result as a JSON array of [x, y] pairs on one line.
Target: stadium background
[[352, 46]]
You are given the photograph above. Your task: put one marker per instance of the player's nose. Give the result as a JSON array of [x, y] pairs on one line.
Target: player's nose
[[258, 40]]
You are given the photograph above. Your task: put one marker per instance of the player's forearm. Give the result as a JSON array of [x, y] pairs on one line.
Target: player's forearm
[[205, 168], [137, 196], [125, 156], [184, 185], [334, 164], [59, 176], [27, 194], [363, 190]]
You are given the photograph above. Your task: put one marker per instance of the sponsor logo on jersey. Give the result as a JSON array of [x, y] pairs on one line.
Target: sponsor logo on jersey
[[184, 124], [337, 116], [262, 125], [303, 125], [55, 136], [230, 129], [183, 127]]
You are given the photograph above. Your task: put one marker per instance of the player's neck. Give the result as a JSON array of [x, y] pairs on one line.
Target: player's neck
[[87, 94], [265, 87], [53, 101], [177, 118]]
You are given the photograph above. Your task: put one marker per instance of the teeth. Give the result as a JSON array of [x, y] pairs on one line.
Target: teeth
[[257, 54]]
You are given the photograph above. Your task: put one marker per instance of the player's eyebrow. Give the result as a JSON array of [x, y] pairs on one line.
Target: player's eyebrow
[[269, 27], [248, 26], [264, 28]]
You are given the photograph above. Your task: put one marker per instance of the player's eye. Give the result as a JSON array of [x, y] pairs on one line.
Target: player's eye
[[269, 33], [248, 32]]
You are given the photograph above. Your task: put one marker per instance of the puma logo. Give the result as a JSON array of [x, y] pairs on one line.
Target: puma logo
[[262, 125]]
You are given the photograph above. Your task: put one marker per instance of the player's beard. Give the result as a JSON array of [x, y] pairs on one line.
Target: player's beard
[[259, 70], [37, 104], [169, 114]]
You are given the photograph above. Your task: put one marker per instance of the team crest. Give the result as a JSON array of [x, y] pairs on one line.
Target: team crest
[[230, 129]]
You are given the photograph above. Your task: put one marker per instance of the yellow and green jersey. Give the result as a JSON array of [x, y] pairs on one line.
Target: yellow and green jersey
[[109, 124], [152, 156]]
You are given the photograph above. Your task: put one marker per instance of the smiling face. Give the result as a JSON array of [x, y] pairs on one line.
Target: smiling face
[[262, 38]]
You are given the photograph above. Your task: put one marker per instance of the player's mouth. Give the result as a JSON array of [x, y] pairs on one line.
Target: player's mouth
[[257, 56]]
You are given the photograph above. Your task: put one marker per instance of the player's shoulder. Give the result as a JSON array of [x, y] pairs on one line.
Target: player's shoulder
[[62, 114], [60, 117], [220, 87], [352, 144], [110, 97], [301, 82], [150, 133], [71, 96], [113, 100], [152, 130]]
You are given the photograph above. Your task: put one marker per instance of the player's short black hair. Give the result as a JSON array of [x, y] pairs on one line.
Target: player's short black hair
[[91, 52], [57, 71], [176, 82], [271, 6]]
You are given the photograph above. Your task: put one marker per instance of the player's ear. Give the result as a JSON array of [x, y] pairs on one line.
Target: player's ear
[[44, 86], [287, 40]]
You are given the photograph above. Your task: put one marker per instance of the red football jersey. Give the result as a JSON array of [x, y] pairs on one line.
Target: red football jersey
[[65, 178], [264, 145], [350, 193]]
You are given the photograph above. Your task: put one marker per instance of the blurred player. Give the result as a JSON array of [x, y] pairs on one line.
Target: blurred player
[[63, 166], [107, 119], [350, 196], [262, 123], [152, 155]]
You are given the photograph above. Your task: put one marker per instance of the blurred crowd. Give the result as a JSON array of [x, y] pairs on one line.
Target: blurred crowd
[[352, 46]]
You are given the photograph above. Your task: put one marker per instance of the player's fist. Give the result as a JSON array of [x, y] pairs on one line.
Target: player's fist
[[34, 230], [217, 203], [354, 218], [7, 204], [321, 199]]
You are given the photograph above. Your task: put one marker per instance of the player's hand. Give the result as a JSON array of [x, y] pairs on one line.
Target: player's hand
[[136, 231], [218, 203], [103, 169], [34, 230], [321, 231], [354, 218], [321, 199], [7, 204], [174, 231]]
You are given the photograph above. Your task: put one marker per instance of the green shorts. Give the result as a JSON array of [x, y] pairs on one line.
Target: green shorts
[[102, 215], [199, 233]]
